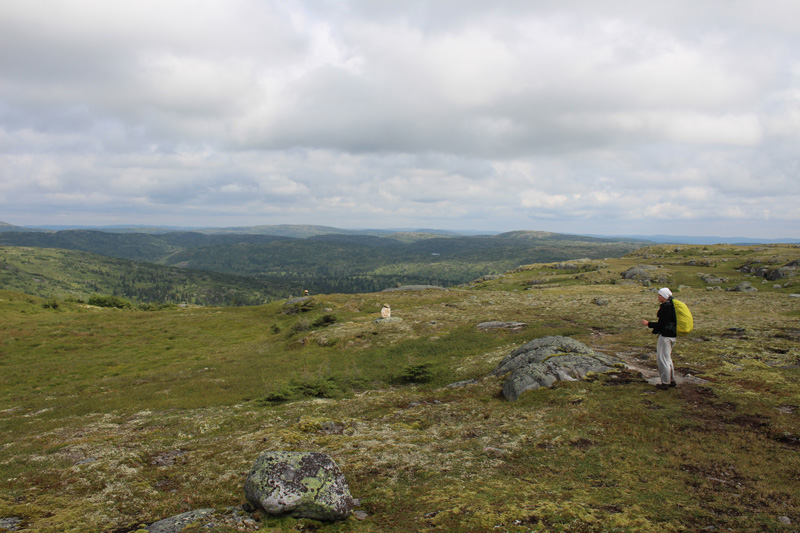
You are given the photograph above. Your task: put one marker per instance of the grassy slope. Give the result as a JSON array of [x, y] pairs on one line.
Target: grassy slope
[[93, 401]]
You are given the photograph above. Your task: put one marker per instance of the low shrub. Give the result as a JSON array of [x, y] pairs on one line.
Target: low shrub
[[110, 301], [298, 389], [325, 320], [416, 373]]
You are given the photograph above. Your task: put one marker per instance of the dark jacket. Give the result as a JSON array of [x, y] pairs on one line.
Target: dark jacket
[[667, 325]]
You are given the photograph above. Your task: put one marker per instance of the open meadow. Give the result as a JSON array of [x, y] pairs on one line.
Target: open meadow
[[113, 419]]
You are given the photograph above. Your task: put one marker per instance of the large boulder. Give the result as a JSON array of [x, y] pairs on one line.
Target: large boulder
[[541, 362], [300, 485], [744, 286], [639, 273]]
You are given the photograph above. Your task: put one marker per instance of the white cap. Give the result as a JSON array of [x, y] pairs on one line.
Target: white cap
[[665, 293]]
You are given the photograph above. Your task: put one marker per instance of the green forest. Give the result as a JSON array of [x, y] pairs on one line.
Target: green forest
[[232, 269]]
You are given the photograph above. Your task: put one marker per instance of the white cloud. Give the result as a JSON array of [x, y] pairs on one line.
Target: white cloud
[[509, 114]]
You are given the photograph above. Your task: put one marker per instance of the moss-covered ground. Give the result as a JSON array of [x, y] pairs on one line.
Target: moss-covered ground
[[114, 419]]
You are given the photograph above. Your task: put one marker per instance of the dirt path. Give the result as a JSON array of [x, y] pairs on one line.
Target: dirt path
[[652, 377]]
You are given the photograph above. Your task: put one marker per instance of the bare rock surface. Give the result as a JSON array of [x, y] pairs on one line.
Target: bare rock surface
[[496, 324], [541, 362]]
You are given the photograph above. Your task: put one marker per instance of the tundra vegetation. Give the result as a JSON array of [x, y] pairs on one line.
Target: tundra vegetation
[[114, 417]]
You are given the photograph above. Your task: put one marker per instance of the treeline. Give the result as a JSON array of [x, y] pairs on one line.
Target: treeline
[[358, 283]]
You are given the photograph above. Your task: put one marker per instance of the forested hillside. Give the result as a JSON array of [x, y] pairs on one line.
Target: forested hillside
[[69, 274], [279, 266]]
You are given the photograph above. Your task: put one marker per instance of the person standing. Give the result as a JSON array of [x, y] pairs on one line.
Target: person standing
[[667, 330]]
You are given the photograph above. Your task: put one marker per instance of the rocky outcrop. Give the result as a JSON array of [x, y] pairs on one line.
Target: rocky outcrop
[[541, 362], [229, 519], [638, 273], [299, 485], [709, 279], [744, 286], [496, 324]]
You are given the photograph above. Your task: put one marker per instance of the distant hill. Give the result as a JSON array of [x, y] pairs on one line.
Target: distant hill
[[134, 246], [677, 239], [5, 227], [333, 262], [298, 231]]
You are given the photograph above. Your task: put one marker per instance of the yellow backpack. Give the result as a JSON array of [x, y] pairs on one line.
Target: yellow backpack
[[683, 316]]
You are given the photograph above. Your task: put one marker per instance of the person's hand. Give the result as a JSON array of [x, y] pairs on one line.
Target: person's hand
[[645, 322]]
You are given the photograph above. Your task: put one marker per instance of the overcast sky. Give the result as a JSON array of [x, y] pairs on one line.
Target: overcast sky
[[676, 117]]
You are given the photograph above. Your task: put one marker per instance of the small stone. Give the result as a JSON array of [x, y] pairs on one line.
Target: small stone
[[785, 520], [491, 450]]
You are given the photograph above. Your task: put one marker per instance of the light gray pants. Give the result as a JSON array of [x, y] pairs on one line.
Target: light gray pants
[[664, 358]]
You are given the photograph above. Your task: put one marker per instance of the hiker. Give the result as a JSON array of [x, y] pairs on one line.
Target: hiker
[[667, 330]]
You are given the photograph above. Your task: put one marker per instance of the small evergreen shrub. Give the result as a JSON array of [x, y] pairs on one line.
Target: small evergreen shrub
[[52, 303], [298, 389], [110, 301], [416, 373], [325, 320]]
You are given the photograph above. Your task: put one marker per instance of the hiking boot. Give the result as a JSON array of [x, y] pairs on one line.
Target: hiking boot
[[662, 386], [673, 384]]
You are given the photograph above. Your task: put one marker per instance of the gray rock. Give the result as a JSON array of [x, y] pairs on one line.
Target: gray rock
[[713, 280], [601, 301], [780, 273], [541, 362], [461, 384], [12, 523], [639, 273], [178, 523], [300, 300], [744, 286], [300, 485], [228, 519], [388, 320], [495, 324]]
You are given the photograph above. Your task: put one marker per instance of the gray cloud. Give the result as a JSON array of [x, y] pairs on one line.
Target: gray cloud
[[566, 116]]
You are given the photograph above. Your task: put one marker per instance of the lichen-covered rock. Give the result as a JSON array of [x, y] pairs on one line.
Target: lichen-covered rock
[[541, 362], [300, 485]]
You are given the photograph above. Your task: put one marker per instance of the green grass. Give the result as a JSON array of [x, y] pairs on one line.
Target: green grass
[[112, 418]]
